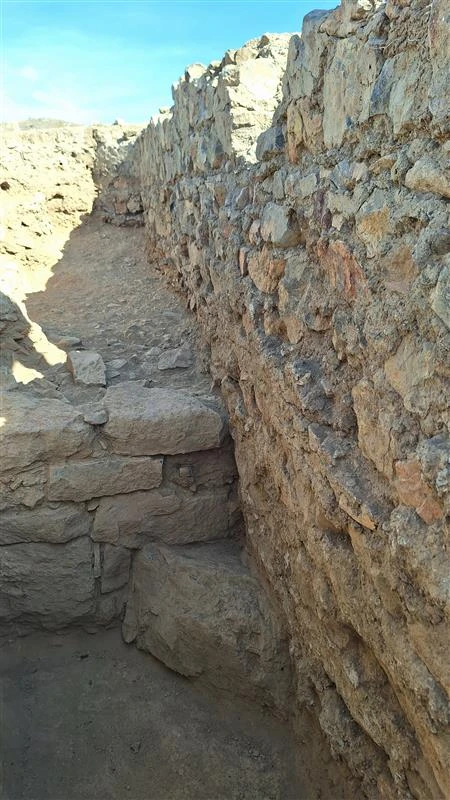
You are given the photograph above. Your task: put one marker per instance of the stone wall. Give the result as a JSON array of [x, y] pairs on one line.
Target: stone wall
[[298, 198], [85, 487]]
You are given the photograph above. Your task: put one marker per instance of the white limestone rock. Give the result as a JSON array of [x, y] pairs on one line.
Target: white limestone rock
[[428, 175], [37, 429], [279, 226]]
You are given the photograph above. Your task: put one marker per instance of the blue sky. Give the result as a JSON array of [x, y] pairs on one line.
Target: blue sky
[[89, 61]]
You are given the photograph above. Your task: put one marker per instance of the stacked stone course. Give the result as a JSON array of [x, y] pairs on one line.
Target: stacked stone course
[[73, 513]]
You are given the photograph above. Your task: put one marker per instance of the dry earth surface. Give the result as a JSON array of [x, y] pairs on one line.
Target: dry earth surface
[[90, 717]]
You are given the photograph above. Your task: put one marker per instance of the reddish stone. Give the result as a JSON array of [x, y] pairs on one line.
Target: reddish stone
[[413, 491], [265, 270], [344, 272]]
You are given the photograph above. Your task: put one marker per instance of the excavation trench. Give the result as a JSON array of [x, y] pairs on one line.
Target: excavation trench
[[123, 553], [295, 196]]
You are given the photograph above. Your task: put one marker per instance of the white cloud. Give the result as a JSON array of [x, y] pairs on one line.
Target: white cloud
[[29, 73]]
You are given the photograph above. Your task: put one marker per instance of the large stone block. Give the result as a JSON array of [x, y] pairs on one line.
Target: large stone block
[[81, 480], [46, 585], [346, 96], [162, 515], [44, 524], [152, 421], [201, 612], [40, 429], [126, 516]]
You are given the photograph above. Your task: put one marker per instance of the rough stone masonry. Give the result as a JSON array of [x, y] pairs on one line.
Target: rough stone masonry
[[296, 194]]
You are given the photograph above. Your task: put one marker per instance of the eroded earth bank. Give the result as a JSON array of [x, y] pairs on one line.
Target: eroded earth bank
[[257, 492]]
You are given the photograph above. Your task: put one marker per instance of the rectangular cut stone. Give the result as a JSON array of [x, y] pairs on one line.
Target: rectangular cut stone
[[81, 480], [37, 429], [44, 524], [126, 515], [115, 568], [152, 421], [162, 516], [46, 584], [202, 517]]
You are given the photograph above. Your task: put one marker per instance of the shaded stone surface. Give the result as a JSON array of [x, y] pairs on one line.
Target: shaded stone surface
[[200, 611], [46, 585], [163, 515], [43, 524], [81, 480]]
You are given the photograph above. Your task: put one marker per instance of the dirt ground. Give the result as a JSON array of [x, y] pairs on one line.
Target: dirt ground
[[102, 294], [86, 717]]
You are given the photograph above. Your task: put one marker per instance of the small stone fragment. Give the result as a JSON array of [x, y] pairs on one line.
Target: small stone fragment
[[66, 342], [116, 363], [428, 176], [280, 226], [96, 416], [440, 302], [87, 368], [178, 358]]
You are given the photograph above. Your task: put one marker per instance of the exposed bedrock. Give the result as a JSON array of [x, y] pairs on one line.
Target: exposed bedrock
[[296, 194]]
